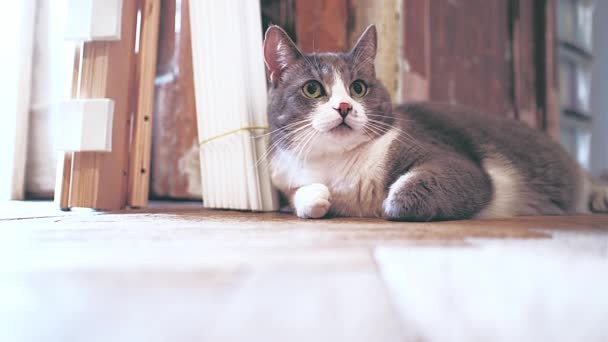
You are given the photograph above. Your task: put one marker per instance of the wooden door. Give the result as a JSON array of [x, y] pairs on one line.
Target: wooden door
[[496, 56]]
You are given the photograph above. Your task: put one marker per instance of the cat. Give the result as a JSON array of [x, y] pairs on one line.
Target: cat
[[340, 148]]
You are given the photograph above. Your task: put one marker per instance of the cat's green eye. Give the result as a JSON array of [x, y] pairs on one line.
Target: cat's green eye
[[313, 89], [358, 88]]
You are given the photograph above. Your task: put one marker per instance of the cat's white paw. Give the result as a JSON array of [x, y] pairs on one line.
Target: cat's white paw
[[312, 201], [394, 202]]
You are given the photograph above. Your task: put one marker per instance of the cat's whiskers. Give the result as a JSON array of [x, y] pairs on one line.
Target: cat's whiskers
[[376, 130], [367, 132], [299, 148], [384, 127], [294, 135], [275, 144], [388, 117], [310, 147], [272, 147], [305, 141], [400, 131], [389, 126], [281, 128], [380, 131]]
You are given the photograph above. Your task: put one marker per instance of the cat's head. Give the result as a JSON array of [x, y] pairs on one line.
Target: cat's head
[[324, 102]]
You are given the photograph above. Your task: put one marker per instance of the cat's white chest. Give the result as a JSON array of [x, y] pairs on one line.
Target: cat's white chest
[[359, 192], [356, 180]]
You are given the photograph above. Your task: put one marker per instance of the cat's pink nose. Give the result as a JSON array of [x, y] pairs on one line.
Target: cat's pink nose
[[344, 108]]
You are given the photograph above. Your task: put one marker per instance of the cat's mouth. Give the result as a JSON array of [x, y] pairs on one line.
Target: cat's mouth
[[335, 126], [341, 128]]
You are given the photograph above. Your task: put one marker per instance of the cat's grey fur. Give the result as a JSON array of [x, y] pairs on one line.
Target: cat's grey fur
[[417, 161]]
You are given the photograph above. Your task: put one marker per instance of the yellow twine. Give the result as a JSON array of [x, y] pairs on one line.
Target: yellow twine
[[249, 128]]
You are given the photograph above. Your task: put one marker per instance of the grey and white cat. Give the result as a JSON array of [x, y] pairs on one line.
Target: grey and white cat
[[340, 148]]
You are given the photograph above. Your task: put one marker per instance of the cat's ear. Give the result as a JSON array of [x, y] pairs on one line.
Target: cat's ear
[[279, 52], [366, 47]]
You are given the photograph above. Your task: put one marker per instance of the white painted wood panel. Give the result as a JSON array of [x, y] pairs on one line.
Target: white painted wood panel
[[53, 66], [230, 91], [17, 21], [93, 20], [86, 125]]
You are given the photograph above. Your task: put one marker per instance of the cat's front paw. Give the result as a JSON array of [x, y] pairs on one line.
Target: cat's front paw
[[409, 199], [312, 201]]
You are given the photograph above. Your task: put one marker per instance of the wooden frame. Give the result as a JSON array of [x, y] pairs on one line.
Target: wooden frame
[[139, 169], [550, 101], [99, 180]]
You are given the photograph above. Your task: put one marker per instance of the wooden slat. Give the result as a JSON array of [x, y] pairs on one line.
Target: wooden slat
[[141, 142], [534, 75], [63, 176], [524, 62], [550, 100], [99, 180], [388, 24], [62, 184], [416, 50]]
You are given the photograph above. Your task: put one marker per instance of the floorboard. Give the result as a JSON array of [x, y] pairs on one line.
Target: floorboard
[[182, 273]]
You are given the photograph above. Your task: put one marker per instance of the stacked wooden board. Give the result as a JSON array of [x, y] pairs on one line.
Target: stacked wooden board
[[109, 68], [230, 88]]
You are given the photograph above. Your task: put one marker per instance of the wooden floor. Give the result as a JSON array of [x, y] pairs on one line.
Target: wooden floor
[[181, 273]]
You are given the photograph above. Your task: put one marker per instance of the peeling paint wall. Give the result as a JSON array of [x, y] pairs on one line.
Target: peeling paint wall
[[175, 171]]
